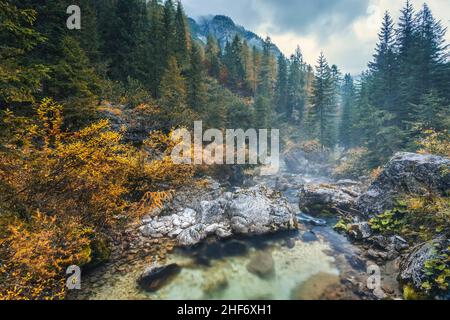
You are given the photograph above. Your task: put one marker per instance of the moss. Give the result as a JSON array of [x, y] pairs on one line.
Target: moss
[[100, 252], [85, 256], [409, 293], [342, 225]]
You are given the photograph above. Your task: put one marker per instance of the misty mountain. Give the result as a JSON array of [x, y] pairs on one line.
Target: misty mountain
[[224, 29]]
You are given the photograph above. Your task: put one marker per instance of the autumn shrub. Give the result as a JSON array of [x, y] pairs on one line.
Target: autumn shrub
[[59, 191], [434, 142], [311, 146]]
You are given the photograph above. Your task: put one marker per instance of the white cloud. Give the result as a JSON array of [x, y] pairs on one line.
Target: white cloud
[[345, 30]]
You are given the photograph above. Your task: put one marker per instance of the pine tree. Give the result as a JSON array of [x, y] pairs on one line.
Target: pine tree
[[432, 53], [249, 76], [348, 101], [281, 90], [432, 113], [75, 84], [174, 96], [88, 36], [407, 61], [265, 89], [256, 58], [234, 63], [156, 60], [217, 104], [170, 29], [323, 109], [296, 99], [384, 68], [20, 79], [213, 56], [126, 50], [196, 81], [182, 44]]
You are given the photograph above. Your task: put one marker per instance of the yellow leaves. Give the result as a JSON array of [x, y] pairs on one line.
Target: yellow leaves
[[61, 187], [375, 173], [36, 254], [435, 143], [416, 204], [311, 146], [151, 201]]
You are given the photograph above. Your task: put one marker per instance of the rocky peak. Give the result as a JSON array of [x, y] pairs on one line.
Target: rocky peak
[[224, 30]]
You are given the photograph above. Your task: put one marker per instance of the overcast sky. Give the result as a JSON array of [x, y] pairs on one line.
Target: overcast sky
[[346, 30]]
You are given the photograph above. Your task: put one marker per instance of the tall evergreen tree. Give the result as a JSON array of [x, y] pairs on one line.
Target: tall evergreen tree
[[323, 109], [170, 29], [256, 58], [129, 40], [281, 90], [174, 96], [384, 68], [156, 60], [182, 37], [196, 81], [432, 52], [233, 60], [20, 79], [348, 102], [407, 61], [296, 98], [265, 89], [213, 56], [249, 75]]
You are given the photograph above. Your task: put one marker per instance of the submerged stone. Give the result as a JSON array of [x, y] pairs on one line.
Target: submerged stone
[[262, 264], [156, 277]]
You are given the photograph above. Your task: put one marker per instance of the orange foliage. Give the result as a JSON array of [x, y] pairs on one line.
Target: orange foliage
[[59, 189]]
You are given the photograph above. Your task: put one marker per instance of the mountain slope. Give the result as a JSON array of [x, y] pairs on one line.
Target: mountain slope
[[224, 29]]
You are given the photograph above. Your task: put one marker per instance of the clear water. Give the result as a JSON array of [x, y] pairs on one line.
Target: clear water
[[214, 271], [307, 262]]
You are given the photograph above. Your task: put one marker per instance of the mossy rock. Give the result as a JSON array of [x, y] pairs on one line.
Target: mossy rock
[[100, 252], [409, 293]]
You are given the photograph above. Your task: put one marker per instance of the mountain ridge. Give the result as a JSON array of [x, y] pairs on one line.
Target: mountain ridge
[[224, 29]]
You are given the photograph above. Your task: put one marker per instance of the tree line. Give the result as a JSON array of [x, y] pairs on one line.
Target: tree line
[[145, 49]]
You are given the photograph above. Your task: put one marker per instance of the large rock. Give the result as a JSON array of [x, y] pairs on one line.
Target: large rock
[[406, 173], [412, 267], [328, 198], [254, 211]]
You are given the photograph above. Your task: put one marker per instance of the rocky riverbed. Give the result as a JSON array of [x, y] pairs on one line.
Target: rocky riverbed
[[271, 238]]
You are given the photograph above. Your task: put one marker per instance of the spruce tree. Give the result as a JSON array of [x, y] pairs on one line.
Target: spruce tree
[[281, 90], [265, 90], [20, 79], [174, 96], [182, 37], [156, 60], [409, 91], [75, 84], [384, 68], [170, 29], [256, 58], [213, 56], [323, 109], [196, 81], [296, 98], [432, 52], [348, 102], [249, 76]]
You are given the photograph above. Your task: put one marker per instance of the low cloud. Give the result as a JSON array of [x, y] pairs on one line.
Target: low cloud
[[346, 30]]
